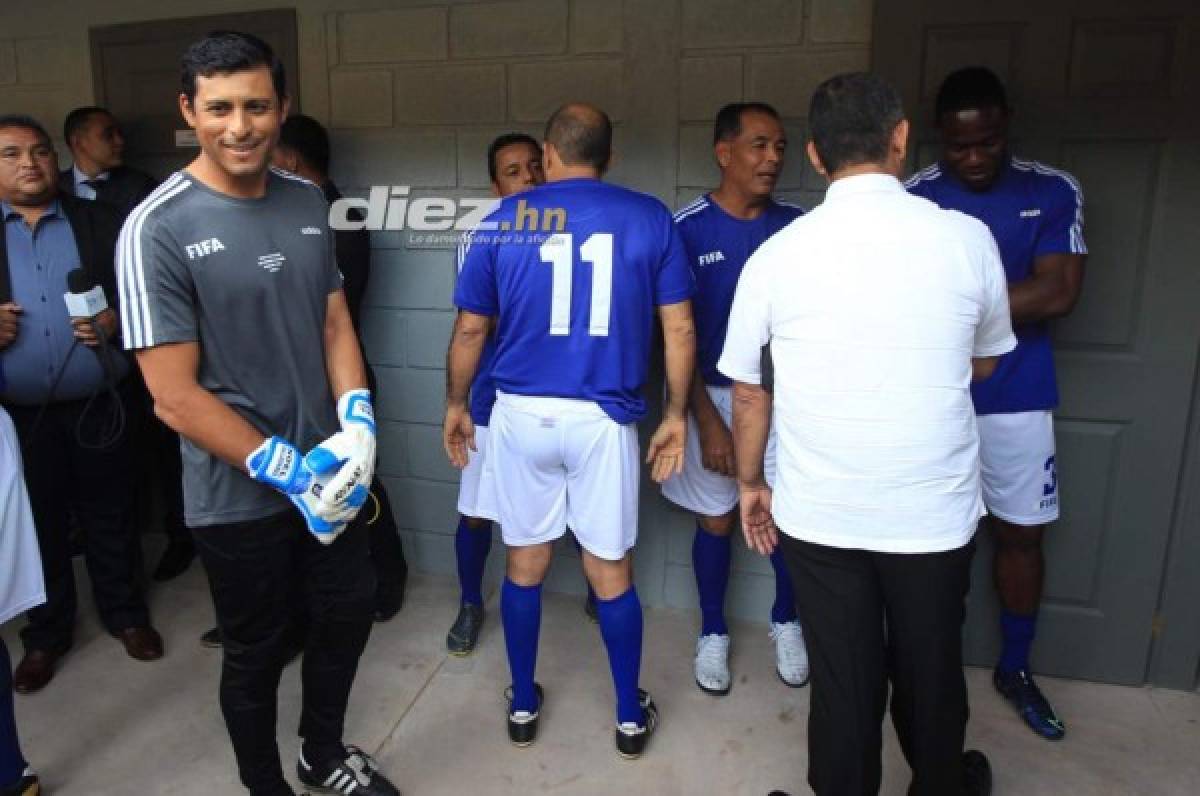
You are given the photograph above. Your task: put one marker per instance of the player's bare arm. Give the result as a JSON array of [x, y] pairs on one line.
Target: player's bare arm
[[462, 360], [716, 442], [1051, 290], [665, 452], [751, 425], [343, 357], [982, 368], [189, 409]]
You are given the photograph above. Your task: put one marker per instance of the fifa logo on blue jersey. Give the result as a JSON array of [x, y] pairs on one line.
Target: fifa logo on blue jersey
[[710, 258]]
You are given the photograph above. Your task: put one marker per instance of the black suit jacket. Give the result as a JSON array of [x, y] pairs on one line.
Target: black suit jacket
[[96, 226], [124, 189]]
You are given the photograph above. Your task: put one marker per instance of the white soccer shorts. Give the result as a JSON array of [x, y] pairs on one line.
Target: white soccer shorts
[[554, 462], [475, 499], [1016, 454], [700, 490]]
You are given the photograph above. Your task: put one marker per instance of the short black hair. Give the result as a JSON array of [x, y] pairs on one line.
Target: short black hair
[[508, 139], [729, 119], [25, 122], [851, 119], [77, 119], [223, 52], [582, 134], [970, 88], [308, 137]]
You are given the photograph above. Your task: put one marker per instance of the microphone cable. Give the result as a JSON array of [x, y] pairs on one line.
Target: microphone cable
[[114, 425]]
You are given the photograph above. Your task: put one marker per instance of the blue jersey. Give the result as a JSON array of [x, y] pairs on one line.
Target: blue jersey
[[574, 270], [483, 391], [1031, 210], [718, 246]]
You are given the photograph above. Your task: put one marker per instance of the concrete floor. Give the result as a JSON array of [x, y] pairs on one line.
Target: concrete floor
[[108, 725]]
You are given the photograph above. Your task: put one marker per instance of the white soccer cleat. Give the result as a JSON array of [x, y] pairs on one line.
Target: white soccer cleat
[[791, 656], [712, 664]]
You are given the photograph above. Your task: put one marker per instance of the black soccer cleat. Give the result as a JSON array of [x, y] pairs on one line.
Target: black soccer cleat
[[632, 738], [464, 633], [1026, 698], [357, 774], [523, 724]]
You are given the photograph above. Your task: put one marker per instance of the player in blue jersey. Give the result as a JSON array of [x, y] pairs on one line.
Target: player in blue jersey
[[1035, 214], [574, 271], [514, 165], [721, 230]]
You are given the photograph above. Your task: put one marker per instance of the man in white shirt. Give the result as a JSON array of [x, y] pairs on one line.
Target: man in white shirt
[[879, 308]]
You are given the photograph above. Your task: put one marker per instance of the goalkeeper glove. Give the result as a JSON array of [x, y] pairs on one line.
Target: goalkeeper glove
[[349, 455], [278, 464]]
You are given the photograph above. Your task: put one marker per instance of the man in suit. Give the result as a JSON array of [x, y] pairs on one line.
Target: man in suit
[[49, 390], [99, 173]]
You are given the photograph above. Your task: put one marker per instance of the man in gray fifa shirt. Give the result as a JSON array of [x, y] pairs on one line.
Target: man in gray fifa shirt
[[234, 304]]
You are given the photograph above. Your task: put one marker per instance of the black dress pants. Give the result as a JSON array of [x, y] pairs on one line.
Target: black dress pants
[[870, 618], [97, 486], [255, 571]]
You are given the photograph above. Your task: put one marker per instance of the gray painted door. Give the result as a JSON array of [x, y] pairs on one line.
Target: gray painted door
[[136, 74], [1107, 90]]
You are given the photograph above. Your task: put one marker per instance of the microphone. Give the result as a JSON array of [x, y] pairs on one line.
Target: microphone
[[85, 298]]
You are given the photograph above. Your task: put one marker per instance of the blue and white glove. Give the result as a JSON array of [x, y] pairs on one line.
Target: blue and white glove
[[278, 464], [349, 455]]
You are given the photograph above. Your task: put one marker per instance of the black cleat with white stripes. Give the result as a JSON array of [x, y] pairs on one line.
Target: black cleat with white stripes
[[357, 775]]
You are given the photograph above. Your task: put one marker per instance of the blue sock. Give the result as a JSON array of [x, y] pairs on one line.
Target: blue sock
[[711, 555], [521, 610], [621, 627], [1018, 634], [12, 763], [471, 547], [579, 549], [784, 608]]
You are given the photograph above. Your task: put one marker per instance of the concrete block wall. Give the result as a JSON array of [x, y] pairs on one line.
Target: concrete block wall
[[413, 91]]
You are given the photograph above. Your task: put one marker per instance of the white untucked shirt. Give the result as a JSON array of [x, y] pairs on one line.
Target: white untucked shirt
[[874, 305]]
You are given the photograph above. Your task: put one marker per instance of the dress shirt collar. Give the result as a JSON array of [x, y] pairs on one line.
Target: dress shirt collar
[[9, 212], [80, 177], [863, 183]]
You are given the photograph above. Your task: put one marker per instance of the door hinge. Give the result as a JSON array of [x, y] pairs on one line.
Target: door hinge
[[1156, 625]]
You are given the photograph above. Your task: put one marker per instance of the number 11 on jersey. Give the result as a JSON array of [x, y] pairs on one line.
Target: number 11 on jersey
[[559, 251]]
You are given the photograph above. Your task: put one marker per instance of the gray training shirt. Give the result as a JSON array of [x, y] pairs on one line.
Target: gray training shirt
[[247, 279]]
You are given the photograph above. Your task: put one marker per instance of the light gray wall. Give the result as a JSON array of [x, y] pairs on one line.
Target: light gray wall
[[413, 92]]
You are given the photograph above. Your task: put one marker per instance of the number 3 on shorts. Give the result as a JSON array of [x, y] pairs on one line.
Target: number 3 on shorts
[[559, 251]]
